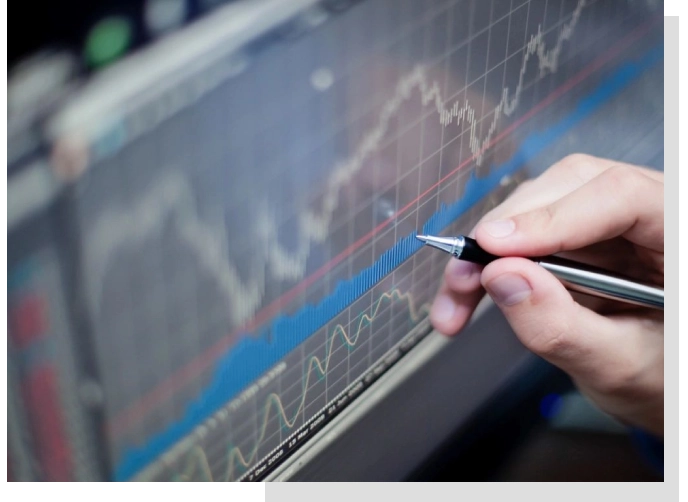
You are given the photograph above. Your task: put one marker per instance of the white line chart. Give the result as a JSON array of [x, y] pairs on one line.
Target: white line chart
[[172, 199]]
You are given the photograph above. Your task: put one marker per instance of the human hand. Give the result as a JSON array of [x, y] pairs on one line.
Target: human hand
[[599, 212]]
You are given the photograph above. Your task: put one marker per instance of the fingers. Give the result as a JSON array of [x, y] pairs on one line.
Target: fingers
[[457, 298], [562, 178], [591, 348], [462, 276], [582, 202], [621, 201], [451, 310]]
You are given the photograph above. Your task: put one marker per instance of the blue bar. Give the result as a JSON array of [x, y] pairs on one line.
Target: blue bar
[[254, 355]]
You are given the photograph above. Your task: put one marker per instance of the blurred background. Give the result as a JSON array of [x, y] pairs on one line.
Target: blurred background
[[212, 270]]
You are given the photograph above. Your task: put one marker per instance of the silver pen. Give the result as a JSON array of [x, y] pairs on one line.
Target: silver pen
[[574, 275]]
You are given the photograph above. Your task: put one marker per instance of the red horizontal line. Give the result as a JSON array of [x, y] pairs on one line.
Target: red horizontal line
[[145, 403]]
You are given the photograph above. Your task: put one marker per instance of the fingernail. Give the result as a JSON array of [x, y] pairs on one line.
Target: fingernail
[[508, 289], [499, 228], [443, 309], [462, 269]]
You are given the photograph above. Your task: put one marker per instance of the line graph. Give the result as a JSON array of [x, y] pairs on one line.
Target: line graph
[[173, 198], [167, 270], [235, 272], [197, 460], [288, 332]]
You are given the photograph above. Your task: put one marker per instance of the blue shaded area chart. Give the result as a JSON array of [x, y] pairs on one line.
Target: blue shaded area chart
[[253, 355]]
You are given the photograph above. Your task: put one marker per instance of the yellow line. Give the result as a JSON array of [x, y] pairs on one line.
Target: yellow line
[[197, 459]]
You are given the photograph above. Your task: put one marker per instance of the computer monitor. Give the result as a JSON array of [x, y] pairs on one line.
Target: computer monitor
[[213, 273]]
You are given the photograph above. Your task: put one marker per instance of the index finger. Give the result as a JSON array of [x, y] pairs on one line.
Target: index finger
[[565, 176], [619, 202]]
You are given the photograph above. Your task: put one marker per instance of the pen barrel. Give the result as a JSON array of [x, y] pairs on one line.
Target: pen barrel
[[593, 281], [470, 250]]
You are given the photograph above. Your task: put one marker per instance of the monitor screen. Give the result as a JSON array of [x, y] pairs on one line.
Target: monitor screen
[[212, 249]]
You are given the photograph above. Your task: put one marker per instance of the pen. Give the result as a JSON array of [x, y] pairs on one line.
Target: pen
[[574, 275]]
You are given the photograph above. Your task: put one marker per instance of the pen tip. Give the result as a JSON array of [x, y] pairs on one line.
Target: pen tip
[[422, 238]]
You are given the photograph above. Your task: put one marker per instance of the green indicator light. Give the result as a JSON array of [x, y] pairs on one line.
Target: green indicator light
[[107, 40]]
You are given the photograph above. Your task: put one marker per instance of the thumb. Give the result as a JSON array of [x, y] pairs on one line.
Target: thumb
[[589, 347]]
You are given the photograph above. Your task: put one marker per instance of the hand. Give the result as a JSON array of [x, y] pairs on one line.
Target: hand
[[599, 212]]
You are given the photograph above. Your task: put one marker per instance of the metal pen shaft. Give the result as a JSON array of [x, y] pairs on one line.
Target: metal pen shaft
[[590, 280], [574, 275]]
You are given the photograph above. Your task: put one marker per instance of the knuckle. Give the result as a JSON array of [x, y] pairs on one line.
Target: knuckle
[[621, 180], [539, 220], [551, 341], [579, 166]]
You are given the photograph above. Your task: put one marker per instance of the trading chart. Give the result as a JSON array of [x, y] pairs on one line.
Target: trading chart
[[245, 236]]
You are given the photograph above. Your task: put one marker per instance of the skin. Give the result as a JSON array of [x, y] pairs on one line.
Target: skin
[[600, 212]]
